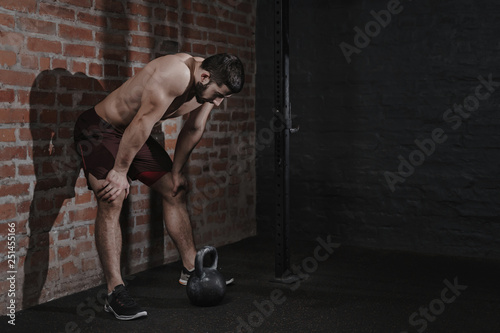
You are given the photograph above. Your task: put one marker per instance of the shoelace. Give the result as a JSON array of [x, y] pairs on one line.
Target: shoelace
[[124, 298]]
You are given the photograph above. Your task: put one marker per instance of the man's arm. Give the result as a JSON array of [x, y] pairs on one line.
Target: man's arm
[[157, 96], [188, 138]]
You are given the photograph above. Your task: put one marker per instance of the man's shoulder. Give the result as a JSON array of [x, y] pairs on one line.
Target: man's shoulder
[[172, 71], [173, 64], [178, 58], [184, 56]]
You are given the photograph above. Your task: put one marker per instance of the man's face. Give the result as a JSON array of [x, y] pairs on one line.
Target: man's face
[[211, 93]]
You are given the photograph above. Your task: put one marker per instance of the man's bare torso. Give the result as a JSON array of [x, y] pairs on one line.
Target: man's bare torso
[[120, 107]]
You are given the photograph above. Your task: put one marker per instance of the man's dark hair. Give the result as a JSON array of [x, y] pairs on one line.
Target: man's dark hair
[[225, 69]]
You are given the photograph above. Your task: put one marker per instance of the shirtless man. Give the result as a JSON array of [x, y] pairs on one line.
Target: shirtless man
[[115, 145]]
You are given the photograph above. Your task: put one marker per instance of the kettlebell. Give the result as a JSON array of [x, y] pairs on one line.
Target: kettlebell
[[206, 286]]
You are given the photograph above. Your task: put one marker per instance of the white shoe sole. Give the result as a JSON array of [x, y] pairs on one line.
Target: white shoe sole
[[108, 308]]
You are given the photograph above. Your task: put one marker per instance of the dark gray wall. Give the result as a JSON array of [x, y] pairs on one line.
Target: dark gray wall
[[413, 81]]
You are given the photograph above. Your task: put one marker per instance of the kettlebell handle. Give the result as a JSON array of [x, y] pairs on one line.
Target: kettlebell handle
[[198, 265]]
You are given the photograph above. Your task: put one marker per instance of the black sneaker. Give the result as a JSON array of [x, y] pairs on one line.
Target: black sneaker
[[122, 305], [185, 274]]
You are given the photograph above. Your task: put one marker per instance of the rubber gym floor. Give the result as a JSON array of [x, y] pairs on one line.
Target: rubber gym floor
[[343, 289]]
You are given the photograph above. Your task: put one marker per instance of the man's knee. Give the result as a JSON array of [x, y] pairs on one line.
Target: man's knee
[[111, 205], [178, 199]]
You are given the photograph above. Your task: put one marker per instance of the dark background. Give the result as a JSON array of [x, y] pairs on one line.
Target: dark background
[[359, 119]]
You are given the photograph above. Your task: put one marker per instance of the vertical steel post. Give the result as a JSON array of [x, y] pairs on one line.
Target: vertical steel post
[[282, 118]]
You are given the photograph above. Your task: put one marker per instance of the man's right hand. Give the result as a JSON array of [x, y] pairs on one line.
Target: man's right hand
[[179, 183], [115, 183]]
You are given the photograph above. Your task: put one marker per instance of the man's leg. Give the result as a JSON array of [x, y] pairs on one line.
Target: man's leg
[[177, 220], [108, 239], [108, 235]]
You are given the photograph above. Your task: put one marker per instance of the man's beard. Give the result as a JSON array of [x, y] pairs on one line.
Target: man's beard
[[199, 88]]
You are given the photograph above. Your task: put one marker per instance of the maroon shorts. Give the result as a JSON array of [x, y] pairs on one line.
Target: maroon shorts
[[97, 142]]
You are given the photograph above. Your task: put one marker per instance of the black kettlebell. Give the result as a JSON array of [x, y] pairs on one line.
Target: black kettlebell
[[206, 286]]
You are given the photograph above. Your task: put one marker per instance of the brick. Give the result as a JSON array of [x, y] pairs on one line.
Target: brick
[[191, 33], [140, 205], [7, 20], [17, 78], [56, 11], [199, 7], [206, 22], [109, 39], [170, 3], [111, 54], [238, 41], [119, 23], [165, 30], [42, 45], [7, 96], [113, 6], [59, 63], [26, 170], [42, 98], [83, 247], [69, 269], [83, 198], [15, 189], [48, 116], [244, 7], [80, 232], [7, 211], [44, 63], [142, 41], [7, 171], [76, 82], [91, 229], [44, 204], [25, 134], [95, 69], [110, 70], [63, 235], [96, 20], [37, 26], [87, 214], [11, 38], [79, 3], [12, 116], [145, 27], [226, 27], [8, 58], [7, 135], [217, 37], [63, 252], [77, 50], [24, 6], [29, 61], [89, 264], [139, 9], [160, 14], [199, 49], [71, 32], [205, 142], [142, 57], [187, 18], [77, 66], [187, 4]]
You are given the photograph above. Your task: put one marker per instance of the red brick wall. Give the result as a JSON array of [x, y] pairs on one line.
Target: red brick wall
[[57, 58]]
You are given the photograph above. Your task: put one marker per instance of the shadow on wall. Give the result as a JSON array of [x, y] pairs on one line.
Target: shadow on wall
[[57, 97]]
